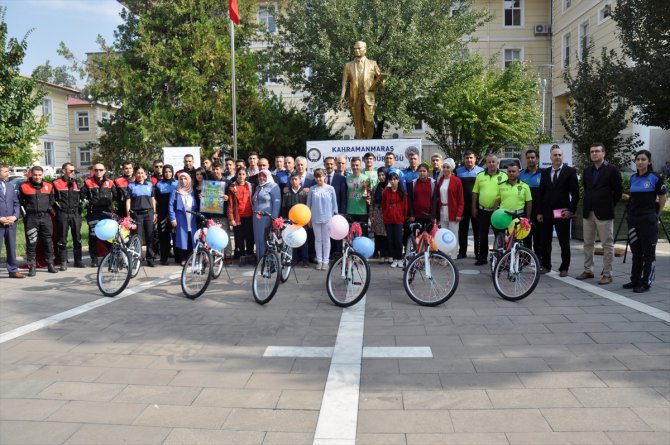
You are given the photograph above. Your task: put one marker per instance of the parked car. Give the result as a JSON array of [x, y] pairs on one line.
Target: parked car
[[16, 181], [504, 162]]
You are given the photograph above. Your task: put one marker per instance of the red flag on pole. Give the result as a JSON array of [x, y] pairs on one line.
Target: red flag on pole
[[234, 14]]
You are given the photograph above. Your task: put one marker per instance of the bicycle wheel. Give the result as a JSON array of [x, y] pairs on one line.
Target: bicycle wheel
[[347, 290], [286, 257], [514, 286], [114, 272], [217, 265], [266, 278], [496, 252], [135, 251], [435, 289], [196, 274], [410, 250]]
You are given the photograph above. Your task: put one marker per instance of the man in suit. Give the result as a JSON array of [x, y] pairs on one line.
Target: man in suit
[[9, 214], [559, 190], [362, 75], [602, 190], [306, 178], [339, 183]]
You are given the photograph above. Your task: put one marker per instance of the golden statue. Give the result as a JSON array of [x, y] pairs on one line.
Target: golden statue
[[363, 76]]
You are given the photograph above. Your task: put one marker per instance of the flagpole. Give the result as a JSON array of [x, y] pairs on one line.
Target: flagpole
[[234, 96]]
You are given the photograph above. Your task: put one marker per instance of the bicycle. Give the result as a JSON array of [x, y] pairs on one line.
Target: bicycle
[[122, 261], [349, 276], [275, 265], [431, 276], [515, 269]]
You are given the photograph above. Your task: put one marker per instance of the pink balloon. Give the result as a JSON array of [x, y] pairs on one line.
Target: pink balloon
[[338, 227]]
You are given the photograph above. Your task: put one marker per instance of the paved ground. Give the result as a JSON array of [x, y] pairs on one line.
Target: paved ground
[[564, 366]]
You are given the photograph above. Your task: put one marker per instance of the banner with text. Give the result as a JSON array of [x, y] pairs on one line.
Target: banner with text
[[175, 156], [318, 150]]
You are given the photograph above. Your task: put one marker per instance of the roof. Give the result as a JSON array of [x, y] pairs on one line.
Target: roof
[[75, 101], [53, 85]]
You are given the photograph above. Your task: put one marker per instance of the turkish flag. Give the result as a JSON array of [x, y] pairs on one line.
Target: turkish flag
[[234, 14]]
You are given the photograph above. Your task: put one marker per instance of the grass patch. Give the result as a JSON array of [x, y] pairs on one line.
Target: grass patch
[[21, 237]]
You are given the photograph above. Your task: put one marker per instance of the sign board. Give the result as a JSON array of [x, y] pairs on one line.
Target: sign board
[[545, 156], [175, 156], [318, 150], [211, 200]]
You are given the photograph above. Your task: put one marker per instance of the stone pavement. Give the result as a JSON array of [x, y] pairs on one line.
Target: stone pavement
[[563, 366]]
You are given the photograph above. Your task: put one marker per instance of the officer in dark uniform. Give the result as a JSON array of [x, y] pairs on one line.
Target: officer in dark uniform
[[643, 216], [141, 200], [121, 184], [100, 194], [66, 204], [164, 189], [37, 199]]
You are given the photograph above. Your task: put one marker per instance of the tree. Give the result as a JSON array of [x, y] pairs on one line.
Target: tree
[[58, 75], [596, 113], [19, 96], [412, 41], [483, 108], [644, 29]]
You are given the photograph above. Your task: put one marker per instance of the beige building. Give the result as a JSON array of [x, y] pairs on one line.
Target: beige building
[[84, 129]]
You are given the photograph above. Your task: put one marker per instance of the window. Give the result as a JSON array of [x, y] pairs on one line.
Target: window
[[512, 55], [84, 156], [583, 38], [47, 110], [605, 12], [82, 121], [566, 50], [456, 9], [104, 116], [266, 16], [49, 154], [418, 126], [512, 12], [567, 4]]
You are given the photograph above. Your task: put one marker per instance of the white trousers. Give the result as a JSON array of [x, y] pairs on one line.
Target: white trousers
[[321, 242]]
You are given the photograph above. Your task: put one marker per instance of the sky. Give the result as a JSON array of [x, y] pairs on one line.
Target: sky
[[75, 22]]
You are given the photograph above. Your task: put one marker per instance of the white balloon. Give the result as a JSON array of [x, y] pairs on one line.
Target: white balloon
[[445, 240], [338, 227], [294, 236]]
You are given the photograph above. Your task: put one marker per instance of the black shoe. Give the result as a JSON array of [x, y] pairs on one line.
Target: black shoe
[[94, 263], [480, 262], [641, 288], [242, 261], [150, 263], [79, 265], [63, 266], [52, 269], [32, 271], [460, 256], [630, 285], [164, 262]]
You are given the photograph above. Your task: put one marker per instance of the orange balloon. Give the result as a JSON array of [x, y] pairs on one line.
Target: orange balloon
[[300, 214]]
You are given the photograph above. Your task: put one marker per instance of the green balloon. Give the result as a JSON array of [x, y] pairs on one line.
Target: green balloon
[[500, 220]]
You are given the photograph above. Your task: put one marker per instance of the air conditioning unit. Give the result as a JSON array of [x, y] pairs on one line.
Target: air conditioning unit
[[542, 29]]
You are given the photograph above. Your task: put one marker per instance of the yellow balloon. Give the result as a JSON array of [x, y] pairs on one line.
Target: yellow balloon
[[300, 214], [522, 230]]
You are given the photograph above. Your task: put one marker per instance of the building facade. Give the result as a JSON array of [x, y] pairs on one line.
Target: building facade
[[85, 130]]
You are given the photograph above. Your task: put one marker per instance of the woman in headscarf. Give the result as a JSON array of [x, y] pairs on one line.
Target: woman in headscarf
[[448, 202], [267, 198], [181, 200], [164, 189], [377, 216]]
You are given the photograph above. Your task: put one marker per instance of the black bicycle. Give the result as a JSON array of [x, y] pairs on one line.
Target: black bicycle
[[275, 265], [122, 261]]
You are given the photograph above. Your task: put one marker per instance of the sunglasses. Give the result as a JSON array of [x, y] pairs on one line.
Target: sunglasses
[[99, 170]]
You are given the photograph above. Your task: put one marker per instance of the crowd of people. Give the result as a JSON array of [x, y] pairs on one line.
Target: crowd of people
[[385, 199]]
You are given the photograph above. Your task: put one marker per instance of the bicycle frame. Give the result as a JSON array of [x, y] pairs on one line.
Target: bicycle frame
[[354, 231]]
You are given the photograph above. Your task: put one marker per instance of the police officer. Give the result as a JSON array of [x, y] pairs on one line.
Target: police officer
[[467, 173], [643, 216], [514, 194], [164, 189], [121, 184], [485, 202], [66, 204], [36, 198], [531, 175], [100, 194], [141, 200]]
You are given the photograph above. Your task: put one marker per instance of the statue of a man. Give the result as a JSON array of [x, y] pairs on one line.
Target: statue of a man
[[363, 76]]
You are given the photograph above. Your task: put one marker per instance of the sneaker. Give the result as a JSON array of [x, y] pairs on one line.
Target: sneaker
[[305, 264], [318, 266], [324, 266], [94, 263], [395, 263]]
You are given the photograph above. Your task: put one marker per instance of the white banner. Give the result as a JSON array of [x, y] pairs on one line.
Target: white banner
[[318, 150], [175, 156], [545, 155]]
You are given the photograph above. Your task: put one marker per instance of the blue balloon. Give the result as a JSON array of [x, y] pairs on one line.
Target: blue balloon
[[106, 229], [217, 238], [364, 245]]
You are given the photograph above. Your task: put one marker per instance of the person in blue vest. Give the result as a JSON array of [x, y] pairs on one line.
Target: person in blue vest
[[164, 189], [467, 173], [141, 200], [531, 175], [183, 199], [412, 171], [643, 216]]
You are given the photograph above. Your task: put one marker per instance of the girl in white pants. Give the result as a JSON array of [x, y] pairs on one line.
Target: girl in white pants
[[323, 204]]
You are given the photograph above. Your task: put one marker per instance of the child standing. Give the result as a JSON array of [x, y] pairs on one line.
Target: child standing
[[295, 194], [394, 206], [323, 203], [240, 216]]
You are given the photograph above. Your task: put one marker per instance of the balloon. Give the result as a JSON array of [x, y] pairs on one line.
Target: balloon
[[217, 238], [364, 245], [338, 227], [500, 219], [196, 235], [106, 229], [522, 230], [300, 214], [445, 240], [294, 236]]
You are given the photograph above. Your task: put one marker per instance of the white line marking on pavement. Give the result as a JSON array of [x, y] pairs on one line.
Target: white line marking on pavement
[[298, 351], [644, 308], [49, 321], [397, 352]]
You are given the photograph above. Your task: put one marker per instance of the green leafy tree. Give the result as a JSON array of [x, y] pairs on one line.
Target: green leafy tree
[[483, 108], [19, 96], [412, 41], [596, 113], [59, 75], [644, 29]]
